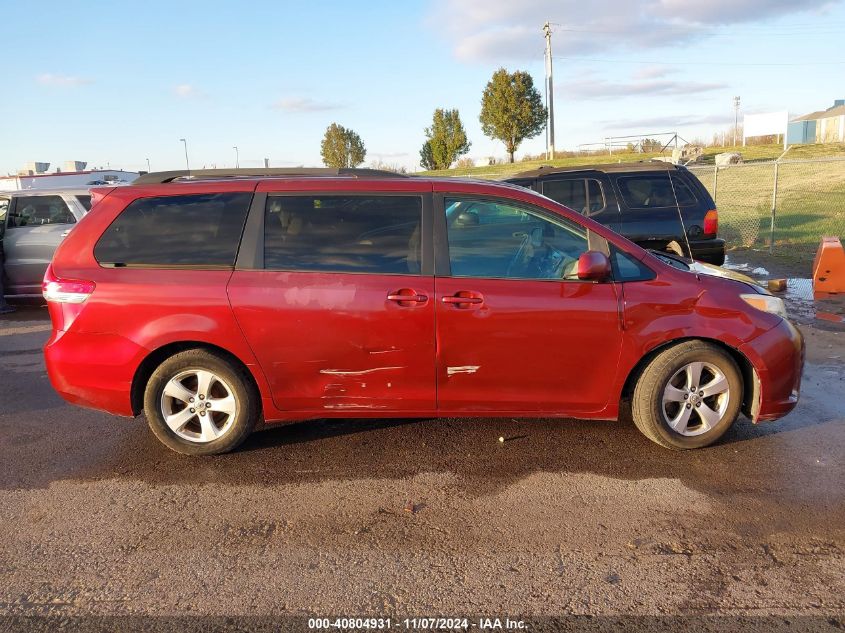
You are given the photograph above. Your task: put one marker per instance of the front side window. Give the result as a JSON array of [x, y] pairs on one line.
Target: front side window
[[40, 210], [529, 245], [628, 268], [654, 191], [201, 230], [343, 233]]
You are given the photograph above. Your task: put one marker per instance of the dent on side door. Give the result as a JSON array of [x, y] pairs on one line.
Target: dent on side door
[[334, 341]]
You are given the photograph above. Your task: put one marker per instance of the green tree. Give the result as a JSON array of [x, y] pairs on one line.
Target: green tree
[[512, 109], [446, 140], [342, 147], [427, 156], [649, 145]]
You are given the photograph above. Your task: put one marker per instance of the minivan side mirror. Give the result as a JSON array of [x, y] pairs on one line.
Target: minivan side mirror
[[593, 266]]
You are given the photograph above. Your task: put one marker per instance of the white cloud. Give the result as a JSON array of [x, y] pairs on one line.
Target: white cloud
[[587, 89], [652, 72], [668, 121], [187, 91], [731, 11], [303, 104], [64, 81], [505, 30]]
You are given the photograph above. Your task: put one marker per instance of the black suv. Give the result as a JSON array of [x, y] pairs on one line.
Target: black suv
[[640, 201]]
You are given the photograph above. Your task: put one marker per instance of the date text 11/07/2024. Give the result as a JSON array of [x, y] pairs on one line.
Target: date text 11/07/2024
[[424, 624]]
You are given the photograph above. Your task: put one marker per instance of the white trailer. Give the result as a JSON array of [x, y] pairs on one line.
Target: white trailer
[[67, 179]]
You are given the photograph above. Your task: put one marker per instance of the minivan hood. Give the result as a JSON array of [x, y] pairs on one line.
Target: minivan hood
[[717, 271], [701, 268]]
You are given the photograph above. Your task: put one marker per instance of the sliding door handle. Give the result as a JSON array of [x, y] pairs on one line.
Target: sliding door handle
[[406, 297], [463, 298]]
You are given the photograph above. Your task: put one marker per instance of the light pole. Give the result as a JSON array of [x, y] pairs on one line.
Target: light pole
[[237, 157], [187, 164], [736, 118], [550, 93], [148, 165]]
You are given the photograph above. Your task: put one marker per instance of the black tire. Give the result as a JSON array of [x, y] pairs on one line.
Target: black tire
[[231, 377], [648, 409]]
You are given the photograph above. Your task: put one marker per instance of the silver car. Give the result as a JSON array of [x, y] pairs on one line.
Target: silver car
[[32, 224]]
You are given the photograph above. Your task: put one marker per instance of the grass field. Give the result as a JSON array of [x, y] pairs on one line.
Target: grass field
[[810, 203], [749, 153]]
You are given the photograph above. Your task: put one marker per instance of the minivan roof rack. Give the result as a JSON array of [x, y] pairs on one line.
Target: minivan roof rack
[[162, 177]]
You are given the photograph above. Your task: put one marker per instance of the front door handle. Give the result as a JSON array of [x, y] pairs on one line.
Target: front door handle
[[407, 297], [462, 298]]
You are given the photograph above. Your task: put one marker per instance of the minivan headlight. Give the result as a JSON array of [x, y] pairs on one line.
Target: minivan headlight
[[766, 303]]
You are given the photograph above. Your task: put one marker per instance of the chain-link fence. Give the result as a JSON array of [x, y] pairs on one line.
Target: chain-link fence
[[782, 208]]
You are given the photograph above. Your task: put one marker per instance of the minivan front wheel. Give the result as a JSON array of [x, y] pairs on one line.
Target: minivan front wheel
[[198, 403], [688, 396]]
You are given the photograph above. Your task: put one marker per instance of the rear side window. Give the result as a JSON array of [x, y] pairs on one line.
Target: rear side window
[[571, 193], [356, 234], [85, 201], [171, 231], [40, 210], [650, 191]]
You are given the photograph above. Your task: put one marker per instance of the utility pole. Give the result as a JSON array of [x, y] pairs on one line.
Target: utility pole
[[237, 157], [550, 93], [736, 118], [187, 164]]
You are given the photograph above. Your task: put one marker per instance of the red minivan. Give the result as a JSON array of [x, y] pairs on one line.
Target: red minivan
[[217, 300]]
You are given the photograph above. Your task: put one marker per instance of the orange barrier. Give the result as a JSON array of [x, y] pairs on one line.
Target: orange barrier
[[829, 268]]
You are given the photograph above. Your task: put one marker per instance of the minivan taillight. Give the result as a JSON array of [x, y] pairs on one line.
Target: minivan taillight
[[711, 222], [61, 290]]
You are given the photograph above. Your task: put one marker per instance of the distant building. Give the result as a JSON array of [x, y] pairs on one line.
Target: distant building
[[824, 126], [33, 179], [765, 124]]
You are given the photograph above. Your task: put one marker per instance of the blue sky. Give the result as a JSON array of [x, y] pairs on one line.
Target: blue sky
[[116, 84]]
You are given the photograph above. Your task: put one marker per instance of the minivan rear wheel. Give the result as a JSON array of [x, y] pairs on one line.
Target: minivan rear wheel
[[198, 403], [688, 396]]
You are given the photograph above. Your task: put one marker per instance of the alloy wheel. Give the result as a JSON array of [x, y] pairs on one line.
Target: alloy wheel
[[198, 405], [695, 398]]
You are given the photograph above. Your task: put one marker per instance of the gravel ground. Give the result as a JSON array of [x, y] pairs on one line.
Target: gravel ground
[[425, 517]]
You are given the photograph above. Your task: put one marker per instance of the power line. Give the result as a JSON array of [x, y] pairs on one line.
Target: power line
[[711, 32], [826, 28], [662, 62]]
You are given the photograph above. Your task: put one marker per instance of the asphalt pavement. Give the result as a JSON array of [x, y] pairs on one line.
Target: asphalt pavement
[[403, 517]]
